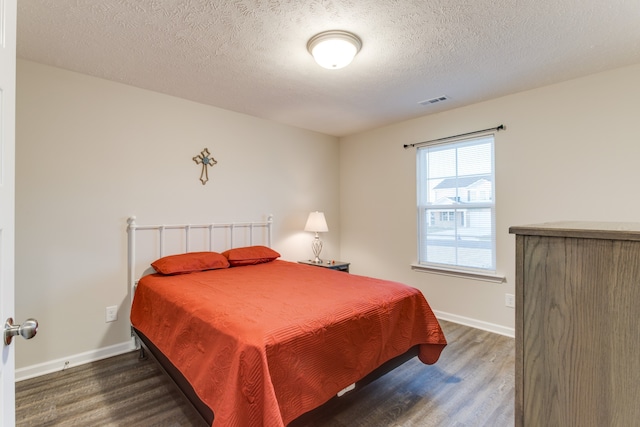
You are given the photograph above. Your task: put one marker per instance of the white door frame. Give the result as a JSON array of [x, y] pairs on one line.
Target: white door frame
[[8, 19]]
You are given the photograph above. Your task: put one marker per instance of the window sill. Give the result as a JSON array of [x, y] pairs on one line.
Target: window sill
[[487, 277]]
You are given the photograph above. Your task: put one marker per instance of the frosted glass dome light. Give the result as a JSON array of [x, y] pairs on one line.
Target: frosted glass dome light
[[334, 49]]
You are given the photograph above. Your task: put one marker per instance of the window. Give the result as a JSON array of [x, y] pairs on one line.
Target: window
[[456, 205]]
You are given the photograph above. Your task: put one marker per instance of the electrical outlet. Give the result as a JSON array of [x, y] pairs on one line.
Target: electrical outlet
[[111, 314], [510, 300]]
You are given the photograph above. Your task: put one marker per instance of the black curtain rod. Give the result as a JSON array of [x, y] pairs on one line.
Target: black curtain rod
[[498, 128]]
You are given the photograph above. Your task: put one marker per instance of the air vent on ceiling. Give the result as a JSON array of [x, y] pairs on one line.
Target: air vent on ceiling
[[433, 100]]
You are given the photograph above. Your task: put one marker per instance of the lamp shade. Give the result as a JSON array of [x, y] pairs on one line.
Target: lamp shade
[[334, 49], [316, 223]]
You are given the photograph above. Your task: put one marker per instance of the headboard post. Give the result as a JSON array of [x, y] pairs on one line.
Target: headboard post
[[131, 230], [131, 261]]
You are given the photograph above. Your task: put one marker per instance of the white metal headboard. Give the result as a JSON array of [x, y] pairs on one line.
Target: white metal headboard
[[250, 229]]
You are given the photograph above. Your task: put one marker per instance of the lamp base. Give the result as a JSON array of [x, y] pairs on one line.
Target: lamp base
[[316, 247]]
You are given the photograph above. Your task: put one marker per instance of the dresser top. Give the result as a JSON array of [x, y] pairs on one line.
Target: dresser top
[[582, 229]]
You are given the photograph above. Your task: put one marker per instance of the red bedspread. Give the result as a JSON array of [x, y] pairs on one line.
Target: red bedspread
[[263, 344]]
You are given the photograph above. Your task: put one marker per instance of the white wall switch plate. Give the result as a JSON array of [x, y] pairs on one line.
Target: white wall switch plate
[[510, 300], [111, 314]]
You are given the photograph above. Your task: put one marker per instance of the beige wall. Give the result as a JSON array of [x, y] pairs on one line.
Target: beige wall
[[570, 152], [91, 152]]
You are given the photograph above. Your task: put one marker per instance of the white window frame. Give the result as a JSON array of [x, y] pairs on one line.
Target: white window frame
[[425, 208]]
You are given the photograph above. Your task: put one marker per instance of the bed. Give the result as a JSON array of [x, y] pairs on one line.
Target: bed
[[254, 340]]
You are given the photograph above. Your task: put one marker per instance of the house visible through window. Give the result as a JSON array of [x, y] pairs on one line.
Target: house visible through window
[[456, 206]]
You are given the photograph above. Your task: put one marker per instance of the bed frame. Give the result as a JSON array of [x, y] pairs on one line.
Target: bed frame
[[211, 237]]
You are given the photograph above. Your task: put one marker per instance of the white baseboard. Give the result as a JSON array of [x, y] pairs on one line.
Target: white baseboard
[[74, 360], [115, 350], [474, 323]]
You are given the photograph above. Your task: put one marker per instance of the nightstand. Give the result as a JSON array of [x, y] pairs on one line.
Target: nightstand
[[332, 265]]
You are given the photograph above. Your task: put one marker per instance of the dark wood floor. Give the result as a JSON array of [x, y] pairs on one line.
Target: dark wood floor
[[471, 385]]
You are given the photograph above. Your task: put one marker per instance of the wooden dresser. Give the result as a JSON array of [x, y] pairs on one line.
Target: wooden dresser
[[577, 324]]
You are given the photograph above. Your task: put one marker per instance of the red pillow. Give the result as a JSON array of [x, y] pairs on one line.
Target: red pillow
[[250, 255], [190, 262]]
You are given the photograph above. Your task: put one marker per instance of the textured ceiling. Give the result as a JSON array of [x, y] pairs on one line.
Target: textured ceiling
[[250, 55]]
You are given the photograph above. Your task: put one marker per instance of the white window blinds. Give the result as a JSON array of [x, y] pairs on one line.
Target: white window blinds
[[456, 204]]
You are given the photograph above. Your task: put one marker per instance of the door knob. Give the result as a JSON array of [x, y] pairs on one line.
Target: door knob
[[28, 330]]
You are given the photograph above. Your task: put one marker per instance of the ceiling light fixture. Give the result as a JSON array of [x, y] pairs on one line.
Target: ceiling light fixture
[[334, 49]]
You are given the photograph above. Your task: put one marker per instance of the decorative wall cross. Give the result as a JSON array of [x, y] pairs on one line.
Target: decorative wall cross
[[205, 159]]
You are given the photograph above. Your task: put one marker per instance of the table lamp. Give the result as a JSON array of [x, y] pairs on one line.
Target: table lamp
[[317, 224]]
